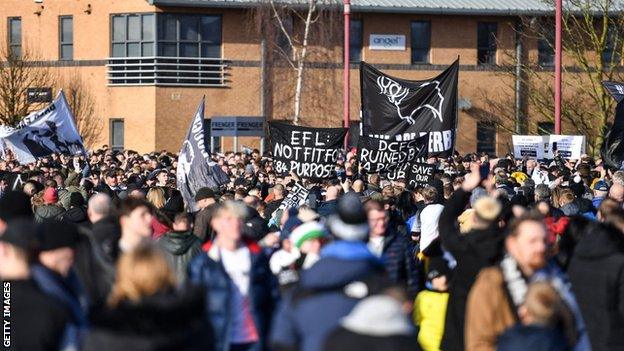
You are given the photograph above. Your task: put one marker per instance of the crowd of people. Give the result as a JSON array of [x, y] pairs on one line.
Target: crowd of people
[[98, 252]]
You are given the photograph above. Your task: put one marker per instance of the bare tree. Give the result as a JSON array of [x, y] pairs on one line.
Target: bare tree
[[83, 106], [17, 74], [297, 37], [593, 47]]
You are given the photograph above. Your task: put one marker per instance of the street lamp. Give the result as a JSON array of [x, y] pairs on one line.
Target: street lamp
[[558, 6], [346, 72]]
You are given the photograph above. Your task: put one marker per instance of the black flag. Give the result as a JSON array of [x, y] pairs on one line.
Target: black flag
[[392, 106], [612, 151], [308, 152], [195, 167]]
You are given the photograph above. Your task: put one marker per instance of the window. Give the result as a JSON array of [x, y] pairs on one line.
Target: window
[[486, 137], [132, 35], [214, 143], [66, 38], [355, 41], [545, 128], [189, 35], [545, 44], [486, 43], [611, 54], [421, 41], [15, 36], [117, 134]]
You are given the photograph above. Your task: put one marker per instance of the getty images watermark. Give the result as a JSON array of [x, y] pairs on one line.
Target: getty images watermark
[[6, 314]]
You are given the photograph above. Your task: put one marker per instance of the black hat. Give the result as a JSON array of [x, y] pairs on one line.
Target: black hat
[[15, 204], [20, 232], [57, 234], [438, 267], [204, 193], [350, 223]]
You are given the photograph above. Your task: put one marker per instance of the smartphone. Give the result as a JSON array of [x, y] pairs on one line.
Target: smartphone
[[554, 147], [484, 170]]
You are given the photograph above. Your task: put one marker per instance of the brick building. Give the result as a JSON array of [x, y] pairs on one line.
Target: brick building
[[147, 63]]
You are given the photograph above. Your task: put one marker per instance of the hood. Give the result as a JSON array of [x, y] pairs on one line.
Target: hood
[[599, 242], [341, 262], [178, 243], [49, 211], [487, 243], [378, 315], [570, 209], [76, 215]]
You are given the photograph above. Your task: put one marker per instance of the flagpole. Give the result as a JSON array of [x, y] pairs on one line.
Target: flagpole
[[558, 11], [346, 69]]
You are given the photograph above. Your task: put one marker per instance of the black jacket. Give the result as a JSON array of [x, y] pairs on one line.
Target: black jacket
[[399, 261], [596, 272], [166, 321], [473, 251], [180, 248], [106, 234], [77, 215], [37, 320], [343, 339], [528, 337]]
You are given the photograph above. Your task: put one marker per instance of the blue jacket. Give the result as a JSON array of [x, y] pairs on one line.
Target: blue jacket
[[528, 337], [69, 293], [327, 208], [207, 271], [400, 262], [327, 291]]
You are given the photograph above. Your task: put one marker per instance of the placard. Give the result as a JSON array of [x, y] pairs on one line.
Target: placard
[[295, 198], [531, 146]]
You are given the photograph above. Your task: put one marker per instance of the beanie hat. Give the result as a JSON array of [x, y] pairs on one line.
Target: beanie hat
[[53, 235], [291, 223], [307, 231], [350, 223], [20, 232], [487, 208], [204, 193], [438, 267], [76, 199], [50, 196], [14, 204]]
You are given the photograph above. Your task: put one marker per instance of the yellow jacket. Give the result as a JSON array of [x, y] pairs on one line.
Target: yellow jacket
[[429, 315]]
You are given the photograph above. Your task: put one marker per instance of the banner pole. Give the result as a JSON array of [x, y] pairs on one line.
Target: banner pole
[[346, 69], [558, 10]]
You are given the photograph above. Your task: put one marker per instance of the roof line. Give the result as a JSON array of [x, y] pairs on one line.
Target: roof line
[[360, 8]]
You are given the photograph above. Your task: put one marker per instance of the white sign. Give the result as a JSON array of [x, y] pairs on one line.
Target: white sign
[[542, 146], [569, 146], [531, 146], [386, 42]]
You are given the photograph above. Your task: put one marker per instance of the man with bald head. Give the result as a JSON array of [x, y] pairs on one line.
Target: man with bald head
[[329, 206], [104, 227], [617, 192]]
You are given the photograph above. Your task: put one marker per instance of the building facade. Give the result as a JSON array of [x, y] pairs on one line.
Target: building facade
[[147, 63]]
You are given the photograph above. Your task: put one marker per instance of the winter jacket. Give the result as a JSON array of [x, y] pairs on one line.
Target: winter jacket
[[44, 212], [489, 311], [38, 321], [95, 271], [207, 271], [77, 215], [472, 251], [429, 314], [171, 320], [327, 208], [271, 207], [596, 272], [534, 338], [67, 292], [106, 234], [376, 323], [180, 248], [201, 227], [327, 291], [400, 263]]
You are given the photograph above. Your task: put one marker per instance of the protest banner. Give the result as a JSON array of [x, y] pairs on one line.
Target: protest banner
[[569, 146], [308, 152], [612, 150], [531, 146], [384, 156], [392, 106], [295, 198]]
